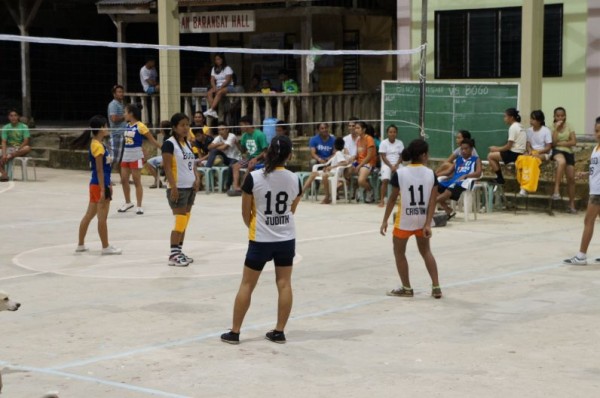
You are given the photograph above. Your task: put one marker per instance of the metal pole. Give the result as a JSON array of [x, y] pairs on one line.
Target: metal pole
[[423, 69]]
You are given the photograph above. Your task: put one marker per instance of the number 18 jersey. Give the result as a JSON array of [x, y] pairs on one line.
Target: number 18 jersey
[[272, 217], [415, 182]]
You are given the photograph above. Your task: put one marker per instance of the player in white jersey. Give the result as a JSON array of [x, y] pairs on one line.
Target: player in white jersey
[[269, 200], [179, 163], [593, 209], [417, 186]]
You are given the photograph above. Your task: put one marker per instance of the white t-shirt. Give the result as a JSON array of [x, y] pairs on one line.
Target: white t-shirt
[[595, 172], [539, 139], [337, 158], [415, 183], [272, 218], [232, 151], [350, 144], [220, 77], [518, 135], [146, 74], [392, 151]]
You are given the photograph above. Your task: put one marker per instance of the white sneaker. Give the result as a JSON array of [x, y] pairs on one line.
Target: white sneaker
[[211, 113], [555, 196], [81, 249], [139, 211], [575, 261], [110, 250], [188, 258], [523, 192], [125, 207], [370, 196], [178, 260]]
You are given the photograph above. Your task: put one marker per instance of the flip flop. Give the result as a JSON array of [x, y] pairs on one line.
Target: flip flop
[[450, 216]]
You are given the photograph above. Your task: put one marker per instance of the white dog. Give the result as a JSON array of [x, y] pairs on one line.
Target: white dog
[[7, 305]]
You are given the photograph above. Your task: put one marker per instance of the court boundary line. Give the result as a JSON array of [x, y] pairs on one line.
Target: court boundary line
[[11, 185], [333, 310], [58, 370]]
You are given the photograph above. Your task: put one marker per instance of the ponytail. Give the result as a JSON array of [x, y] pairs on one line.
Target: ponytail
[[135, 109], [415, 150], [277, 153], [514, 113], [96, 124]]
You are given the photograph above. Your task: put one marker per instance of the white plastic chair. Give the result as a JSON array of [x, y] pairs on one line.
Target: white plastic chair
[[470, 198], [334, 178]]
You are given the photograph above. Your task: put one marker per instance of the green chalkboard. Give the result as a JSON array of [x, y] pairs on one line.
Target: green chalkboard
[[449, 107]]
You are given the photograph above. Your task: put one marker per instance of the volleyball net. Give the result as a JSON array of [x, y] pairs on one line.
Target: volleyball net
[[71, 80]]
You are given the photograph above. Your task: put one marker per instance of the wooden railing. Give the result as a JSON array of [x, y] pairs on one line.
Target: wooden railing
[[302, 111]]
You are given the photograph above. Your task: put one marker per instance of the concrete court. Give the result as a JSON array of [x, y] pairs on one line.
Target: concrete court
[[513, 320]]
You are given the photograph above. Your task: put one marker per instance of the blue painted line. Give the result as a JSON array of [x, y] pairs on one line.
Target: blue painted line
[[125, 386]]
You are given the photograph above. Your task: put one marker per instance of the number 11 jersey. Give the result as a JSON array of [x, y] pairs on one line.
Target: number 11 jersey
[[415, 182], [272, 217]]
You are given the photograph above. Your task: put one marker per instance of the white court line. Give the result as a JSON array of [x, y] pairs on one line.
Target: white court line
[[11, 185], [23, 275], [125, 386], [309, 315]]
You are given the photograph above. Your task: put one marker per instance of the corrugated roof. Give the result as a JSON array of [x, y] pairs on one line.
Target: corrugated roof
[[123, 2]]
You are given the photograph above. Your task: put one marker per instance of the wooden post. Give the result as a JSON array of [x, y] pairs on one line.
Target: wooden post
[[169, 61], [121, 53], [305, 86], [532, 56], [23, 18]]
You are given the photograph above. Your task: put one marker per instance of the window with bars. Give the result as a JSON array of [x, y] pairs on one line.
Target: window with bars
[[486, 43]]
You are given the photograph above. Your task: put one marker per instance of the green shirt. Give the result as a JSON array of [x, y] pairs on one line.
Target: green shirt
[[290, 86], [255, 143], [15, 135]]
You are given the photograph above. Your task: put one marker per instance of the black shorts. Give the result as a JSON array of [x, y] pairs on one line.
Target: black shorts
[[282, 254], [186, 198], [569, 157], [509, 156], [455, 191]]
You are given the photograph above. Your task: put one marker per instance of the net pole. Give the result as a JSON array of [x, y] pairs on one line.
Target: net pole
[[423, 69]]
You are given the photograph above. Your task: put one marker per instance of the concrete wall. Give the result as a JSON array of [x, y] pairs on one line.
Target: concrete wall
[[568, 91]]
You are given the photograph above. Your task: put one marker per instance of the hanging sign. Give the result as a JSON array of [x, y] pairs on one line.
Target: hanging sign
[[217, 22]]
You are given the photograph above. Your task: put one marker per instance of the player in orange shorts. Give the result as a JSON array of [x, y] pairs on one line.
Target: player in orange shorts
[[100, 187], [417, 187]]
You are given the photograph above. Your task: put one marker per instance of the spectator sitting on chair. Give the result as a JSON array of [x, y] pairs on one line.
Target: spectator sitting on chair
[[202, 143], [514, 147], [15, 141], [447, 167], [149, 78], [466, 166], [221, 83], [282, 128], [390, 151], [117, 124], [225, 145], [199, 123], [288, 85], [254, 84], [253, 146], [539, 137], [340, 158], [366, 157], [321, 146], [350, 139], [155, 162]]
